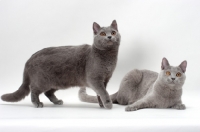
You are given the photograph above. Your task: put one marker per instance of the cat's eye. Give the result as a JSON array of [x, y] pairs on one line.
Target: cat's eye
[[113, 32], [178, 74], [168, 73], [103, 34]]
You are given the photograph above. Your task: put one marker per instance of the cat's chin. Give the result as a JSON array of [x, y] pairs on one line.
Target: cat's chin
[[110, 42]]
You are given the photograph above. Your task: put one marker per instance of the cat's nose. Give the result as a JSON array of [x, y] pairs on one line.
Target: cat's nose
[[173, 79], [109, 37]]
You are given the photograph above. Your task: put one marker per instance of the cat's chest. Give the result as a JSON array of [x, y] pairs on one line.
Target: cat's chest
[[110, 66], [169, 98], [108, 63]]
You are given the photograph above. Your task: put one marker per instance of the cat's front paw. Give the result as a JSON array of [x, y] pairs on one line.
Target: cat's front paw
[[59, 102], [179, 107], [108, 104], [38, 105], [131, 108]]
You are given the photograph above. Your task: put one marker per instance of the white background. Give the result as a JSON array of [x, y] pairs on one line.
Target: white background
[[150, 30]]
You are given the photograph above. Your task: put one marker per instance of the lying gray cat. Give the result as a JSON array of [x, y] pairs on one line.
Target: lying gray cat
[[56, 68], [147, 89]]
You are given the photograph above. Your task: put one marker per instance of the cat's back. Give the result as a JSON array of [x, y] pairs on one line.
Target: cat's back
[[141, 75], [62, 53], [148, 78], [149, 75]]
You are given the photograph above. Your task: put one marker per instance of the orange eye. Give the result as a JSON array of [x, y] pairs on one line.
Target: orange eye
[[178, 74], [103, 34], [168, 73], [113, 32]]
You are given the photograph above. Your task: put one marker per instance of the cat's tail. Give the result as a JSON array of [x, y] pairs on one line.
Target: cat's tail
[[20, 93], [83, 96]]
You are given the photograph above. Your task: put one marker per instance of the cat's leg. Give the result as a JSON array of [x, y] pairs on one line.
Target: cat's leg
[[179, 106], [100, 102], [105, 99], [98, 97], [99, 88], [50, 94], [126, 95], [129, 90], [131, 102], [35, 98], [140, 104]]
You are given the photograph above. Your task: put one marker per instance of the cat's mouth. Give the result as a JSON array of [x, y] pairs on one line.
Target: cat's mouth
[[109, 42], [172, 82]]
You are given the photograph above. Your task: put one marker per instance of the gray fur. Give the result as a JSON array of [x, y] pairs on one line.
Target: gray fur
[[56, 68], [147, 89]]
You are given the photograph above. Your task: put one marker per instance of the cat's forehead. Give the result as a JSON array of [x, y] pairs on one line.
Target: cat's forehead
[[106, 29], [174, 69]]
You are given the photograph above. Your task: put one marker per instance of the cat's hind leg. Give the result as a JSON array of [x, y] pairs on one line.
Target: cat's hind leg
[[35, 98], [50, 94], [129, 91]]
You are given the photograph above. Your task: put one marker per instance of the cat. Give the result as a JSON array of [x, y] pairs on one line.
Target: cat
[[54, 68], [147, 89]]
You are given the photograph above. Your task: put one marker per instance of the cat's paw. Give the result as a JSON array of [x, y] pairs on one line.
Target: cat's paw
[[108, 104], [59, 102], [179, 107], [131, 108], [38, 105]]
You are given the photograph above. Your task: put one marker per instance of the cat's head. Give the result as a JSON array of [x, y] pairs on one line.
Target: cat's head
[[106, 37], [173, 75]]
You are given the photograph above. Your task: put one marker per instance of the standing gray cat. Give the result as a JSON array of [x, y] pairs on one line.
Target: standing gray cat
[[147, 89], [56, 68]]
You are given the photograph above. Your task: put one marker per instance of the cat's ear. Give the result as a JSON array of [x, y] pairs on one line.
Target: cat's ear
[[96, 28], [164, 63], [114, 25], [183, 66]]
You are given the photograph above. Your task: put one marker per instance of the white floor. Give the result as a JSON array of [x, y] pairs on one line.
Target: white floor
[[78, 116]]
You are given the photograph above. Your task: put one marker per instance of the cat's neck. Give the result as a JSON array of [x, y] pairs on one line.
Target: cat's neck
[[105, 52]]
